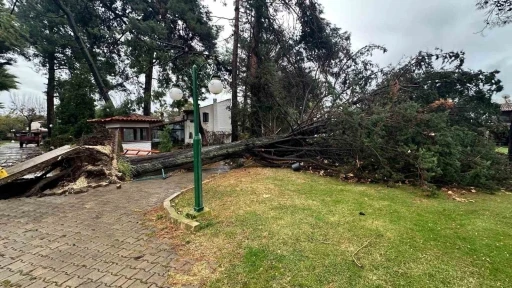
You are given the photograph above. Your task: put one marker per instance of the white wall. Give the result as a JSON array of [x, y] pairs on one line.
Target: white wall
[[220, 119], [222, 116], [144, 145]]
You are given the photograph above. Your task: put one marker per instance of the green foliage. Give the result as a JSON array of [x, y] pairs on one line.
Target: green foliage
[[107, 110], [58, 141], [11, 42], [408, 143], [426, 122], [11, 122], [76, 106], [124, 167], [7, 80], [165, 140]]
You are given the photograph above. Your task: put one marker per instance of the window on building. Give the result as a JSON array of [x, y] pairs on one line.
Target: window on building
[[206, 117], [135, 134], [143, 132], [190, 135], [129, 134]]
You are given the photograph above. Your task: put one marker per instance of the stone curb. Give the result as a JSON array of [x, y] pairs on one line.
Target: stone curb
[[179, 219]]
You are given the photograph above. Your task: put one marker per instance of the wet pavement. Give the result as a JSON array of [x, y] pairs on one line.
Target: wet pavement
[[11, 154]]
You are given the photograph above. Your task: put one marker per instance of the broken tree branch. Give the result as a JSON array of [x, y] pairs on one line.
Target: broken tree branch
[[354, 255]]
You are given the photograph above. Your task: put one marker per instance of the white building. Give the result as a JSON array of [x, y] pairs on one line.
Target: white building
[[215, 119]]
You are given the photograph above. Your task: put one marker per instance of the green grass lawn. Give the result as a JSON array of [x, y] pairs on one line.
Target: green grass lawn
[[278, 228], [502, 150]]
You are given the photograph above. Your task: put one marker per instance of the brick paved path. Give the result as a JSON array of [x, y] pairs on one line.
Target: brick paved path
[[94, 239]]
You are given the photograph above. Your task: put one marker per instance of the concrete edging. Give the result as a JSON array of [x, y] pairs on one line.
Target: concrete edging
[[176, 218]]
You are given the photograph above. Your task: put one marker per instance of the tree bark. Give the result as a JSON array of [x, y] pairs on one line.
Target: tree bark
[[50, 93], [234, 82], [184, 158], [254, 81], [282, 148], [90, 62], [148, 86]]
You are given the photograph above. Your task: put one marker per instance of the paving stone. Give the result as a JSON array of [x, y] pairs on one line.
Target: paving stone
[[6, 262], [89, 285], [114, 268], [157, 279], [150, 258], [89, 263], [14, 278], [101, 266], [48, 274], [140, 284], [74, 282], [133, 262], [109, 279], [82, 272], [95, 275], [124, 252], [118, 259], [142, 275], [70, 268], [38, 284], [128, 272], [146, 266], [61, 278], [5, 273], [39, 271], [27, 281], [160, 270], [120, 281]]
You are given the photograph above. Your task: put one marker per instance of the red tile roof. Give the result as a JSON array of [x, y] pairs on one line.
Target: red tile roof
[[129, 118]]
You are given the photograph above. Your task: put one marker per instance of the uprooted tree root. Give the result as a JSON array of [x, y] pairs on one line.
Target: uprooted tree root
[[86, 167]]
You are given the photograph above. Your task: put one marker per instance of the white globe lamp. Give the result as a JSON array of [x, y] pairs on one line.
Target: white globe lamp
[[176, 93], [215, 86]]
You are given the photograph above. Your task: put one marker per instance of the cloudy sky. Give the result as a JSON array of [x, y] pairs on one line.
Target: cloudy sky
[[403, 26]]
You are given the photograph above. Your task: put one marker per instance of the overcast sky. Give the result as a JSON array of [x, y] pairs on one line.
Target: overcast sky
[[403, 26]]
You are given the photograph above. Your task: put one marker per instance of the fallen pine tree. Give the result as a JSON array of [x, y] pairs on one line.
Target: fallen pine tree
[[256, 148]]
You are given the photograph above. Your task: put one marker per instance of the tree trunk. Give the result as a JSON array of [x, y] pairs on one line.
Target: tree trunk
[[90, 62], [50, 93], [148, 86], [254, 81], [184, 158], [235, 111]]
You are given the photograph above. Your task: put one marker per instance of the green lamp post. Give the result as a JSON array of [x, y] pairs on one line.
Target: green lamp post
[[215, 86]]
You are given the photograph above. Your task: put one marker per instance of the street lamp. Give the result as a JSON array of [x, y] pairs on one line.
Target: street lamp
[[13, 135], [215, 86], [50, 130]]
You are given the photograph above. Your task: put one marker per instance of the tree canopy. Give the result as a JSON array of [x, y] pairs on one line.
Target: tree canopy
[[12, 43], [498, 13]]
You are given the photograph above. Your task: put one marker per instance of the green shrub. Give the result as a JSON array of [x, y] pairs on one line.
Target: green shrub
[[165, 140], [58, 141], [124, 167]]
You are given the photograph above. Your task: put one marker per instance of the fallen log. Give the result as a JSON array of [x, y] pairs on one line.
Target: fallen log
[[183, 158]]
